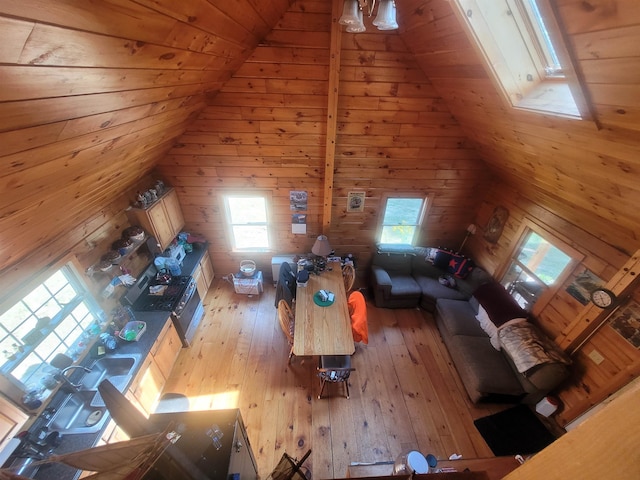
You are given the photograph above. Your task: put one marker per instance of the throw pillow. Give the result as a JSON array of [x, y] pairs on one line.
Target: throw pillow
[[488, 326], [441, 259], [459, 265], [500, 306]]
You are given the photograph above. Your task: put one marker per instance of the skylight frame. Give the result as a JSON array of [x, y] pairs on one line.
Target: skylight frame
[[514, 51]]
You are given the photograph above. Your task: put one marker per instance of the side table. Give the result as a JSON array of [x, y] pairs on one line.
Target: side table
[[248, 285]]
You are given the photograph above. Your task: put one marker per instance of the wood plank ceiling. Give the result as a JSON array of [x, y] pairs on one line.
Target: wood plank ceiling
[[96, 93]]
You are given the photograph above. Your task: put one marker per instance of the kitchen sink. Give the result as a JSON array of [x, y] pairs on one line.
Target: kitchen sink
[[112, 367], [76, 415], [84, 411]]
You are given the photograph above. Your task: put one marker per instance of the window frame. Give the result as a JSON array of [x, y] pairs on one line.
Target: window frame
[[527, 88], [224, 196], [549, 292], [13, 387], [423, 214]]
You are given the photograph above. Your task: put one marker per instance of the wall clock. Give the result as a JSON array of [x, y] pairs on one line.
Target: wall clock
[[495, 225], [603, 298]]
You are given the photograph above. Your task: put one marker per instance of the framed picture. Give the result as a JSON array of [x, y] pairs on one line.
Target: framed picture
[[495, 225], [626, 321], [582, 286], [355, 202]]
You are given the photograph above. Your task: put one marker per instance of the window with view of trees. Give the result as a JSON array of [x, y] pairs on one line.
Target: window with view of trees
[[51, 319], [535, 266], [402, 219]]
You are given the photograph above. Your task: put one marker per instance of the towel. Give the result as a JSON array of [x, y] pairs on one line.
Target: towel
[[358, 313]]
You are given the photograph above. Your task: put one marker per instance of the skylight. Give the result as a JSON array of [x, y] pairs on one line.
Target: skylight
[[521, 42]]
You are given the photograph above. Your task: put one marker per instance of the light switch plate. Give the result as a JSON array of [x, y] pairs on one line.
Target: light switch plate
[[596, 357]]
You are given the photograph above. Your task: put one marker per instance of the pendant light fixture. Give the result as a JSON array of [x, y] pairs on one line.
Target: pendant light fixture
[[353, 14]]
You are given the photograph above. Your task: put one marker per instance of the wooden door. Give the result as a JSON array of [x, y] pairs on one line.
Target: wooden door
[[161, 224], [174, 212]]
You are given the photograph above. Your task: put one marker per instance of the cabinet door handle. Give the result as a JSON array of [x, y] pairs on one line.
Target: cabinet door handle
[[238, 446]]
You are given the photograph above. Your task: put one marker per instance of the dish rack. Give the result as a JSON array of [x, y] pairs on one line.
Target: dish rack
[[135, 326]]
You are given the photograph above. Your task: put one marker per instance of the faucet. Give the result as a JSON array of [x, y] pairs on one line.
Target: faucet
[[66, 383]]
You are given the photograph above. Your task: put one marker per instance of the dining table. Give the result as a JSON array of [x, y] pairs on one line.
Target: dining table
[[322, 327]]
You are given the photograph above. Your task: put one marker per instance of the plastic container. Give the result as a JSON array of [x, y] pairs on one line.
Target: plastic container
[[132, 331], [173, 266]]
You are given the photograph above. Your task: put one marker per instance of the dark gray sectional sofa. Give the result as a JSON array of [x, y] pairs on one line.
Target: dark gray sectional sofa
[[403, 277]]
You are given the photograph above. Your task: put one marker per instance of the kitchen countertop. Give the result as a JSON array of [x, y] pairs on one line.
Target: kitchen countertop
[[155, 322]]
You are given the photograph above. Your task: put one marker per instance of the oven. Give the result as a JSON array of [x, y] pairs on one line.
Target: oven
[[175, 294], [188, 313]]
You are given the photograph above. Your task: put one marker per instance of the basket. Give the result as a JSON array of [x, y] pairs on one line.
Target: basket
[[247, 268], [138, 328]]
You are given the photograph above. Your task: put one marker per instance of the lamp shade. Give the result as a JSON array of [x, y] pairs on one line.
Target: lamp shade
[[349, 13], [321, 248], [386, 18], [357, 27]]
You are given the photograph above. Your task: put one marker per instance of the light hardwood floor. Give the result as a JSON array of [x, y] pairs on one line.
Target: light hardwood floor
[[405, 392]]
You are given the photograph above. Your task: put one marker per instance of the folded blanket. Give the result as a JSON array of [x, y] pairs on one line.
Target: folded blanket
[[528, 346]]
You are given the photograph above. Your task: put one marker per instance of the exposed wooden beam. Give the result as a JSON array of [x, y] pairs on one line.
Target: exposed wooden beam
[[332, 114]]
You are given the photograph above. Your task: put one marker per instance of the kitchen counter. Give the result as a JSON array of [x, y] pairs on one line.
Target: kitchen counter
[[72, 443], [155, 322]]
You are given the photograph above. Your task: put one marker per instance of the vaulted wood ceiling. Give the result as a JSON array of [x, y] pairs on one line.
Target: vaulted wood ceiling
[[95, 93]]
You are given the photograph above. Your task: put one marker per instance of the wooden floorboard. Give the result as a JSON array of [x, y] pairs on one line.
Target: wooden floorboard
[[405, 392]]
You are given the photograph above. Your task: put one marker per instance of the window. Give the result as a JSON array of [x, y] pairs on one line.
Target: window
[[535, 266], [247, 219], [521, 42], [51, 319], [402, 219]]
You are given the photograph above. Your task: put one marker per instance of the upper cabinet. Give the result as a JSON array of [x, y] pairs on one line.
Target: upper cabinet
[[163, 219]]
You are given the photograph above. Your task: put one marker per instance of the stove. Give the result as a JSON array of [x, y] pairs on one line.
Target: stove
[[167, 298], [179, 296]]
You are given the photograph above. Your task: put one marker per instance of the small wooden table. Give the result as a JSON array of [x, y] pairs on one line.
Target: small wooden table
[[323, 330]]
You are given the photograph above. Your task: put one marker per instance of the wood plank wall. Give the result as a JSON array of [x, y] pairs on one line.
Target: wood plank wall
[[93, 93], [266, 131], [560, 174]]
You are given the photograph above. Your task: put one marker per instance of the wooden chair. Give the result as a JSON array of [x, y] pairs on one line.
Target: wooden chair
[[349, 277], [334, 369], [287, 323]]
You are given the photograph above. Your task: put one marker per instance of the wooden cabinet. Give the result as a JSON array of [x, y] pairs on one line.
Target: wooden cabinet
[[163, 219], [203, 275], [166, 349], [147, 386], [11, 420]]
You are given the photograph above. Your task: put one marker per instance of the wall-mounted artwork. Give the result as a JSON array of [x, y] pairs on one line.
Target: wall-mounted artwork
[[495, 225], [582, 286], [626, 321], [298, 200], [299, 223], [355, 202]]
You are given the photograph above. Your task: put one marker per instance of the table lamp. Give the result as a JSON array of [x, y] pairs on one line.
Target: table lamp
[[321, 249]]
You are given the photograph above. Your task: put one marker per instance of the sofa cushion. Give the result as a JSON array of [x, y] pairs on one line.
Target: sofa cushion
[[399, 263], [482, 368], [420, 265], [432, 288], [458, 318], [500, 306], [404, 285]]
